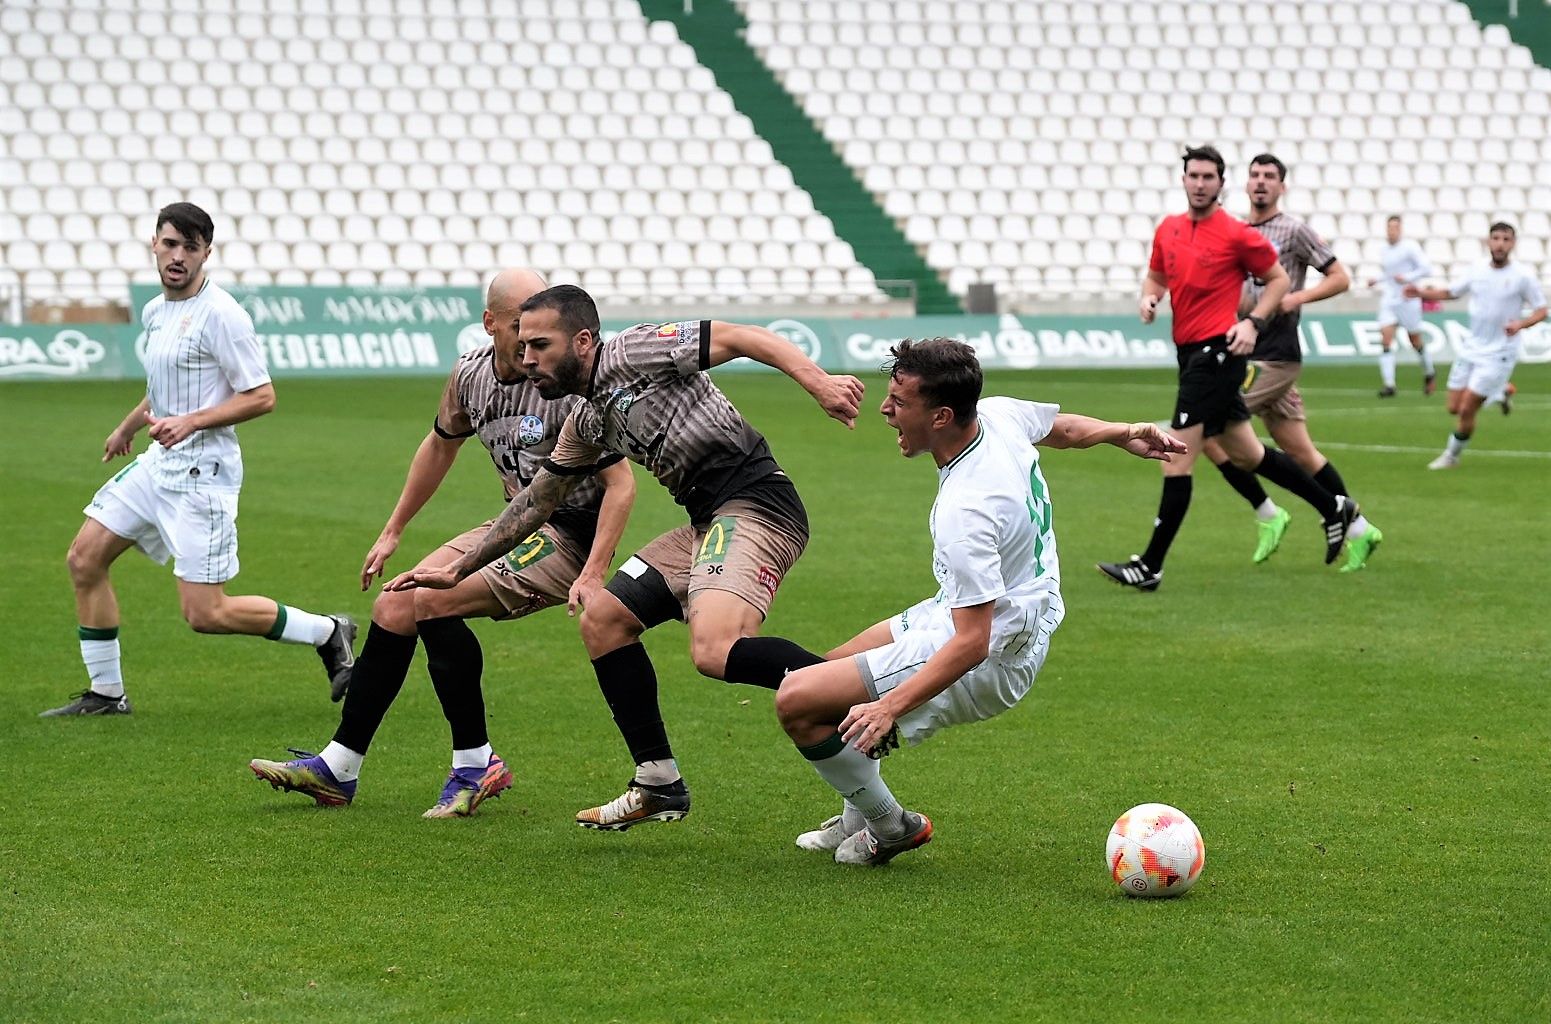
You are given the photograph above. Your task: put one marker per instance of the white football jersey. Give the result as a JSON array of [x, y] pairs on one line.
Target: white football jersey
[[1497, 295], [198, 352], [1406, 259], [993, 538]]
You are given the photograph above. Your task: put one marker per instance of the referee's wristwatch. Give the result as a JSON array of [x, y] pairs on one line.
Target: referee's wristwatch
[[1258, 322]]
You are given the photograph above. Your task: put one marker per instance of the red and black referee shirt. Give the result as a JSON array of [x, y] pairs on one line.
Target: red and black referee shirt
[[1205, 262]]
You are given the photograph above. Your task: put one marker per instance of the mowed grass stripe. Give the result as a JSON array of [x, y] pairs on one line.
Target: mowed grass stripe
[[1364, 753]]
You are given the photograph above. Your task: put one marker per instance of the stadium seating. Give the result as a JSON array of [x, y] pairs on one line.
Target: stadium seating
[[1034, 144], [1031, 144], [388, 142]]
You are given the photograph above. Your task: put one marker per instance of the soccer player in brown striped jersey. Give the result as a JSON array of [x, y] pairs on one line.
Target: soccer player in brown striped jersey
[[1272, 389], [648, 397], [488, 395]]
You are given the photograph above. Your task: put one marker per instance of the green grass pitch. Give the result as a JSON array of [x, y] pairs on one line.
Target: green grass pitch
[[1367, 755]]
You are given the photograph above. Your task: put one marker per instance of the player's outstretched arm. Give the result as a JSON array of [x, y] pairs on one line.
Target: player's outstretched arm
[[123, 436], [1428, 293], [427, 470], [839, 395], [529, 509], [1144, 440], [618, 496], [240, 408]]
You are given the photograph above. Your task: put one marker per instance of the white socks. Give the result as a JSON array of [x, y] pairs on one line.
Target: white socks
[[856, 778], [1387, 367], [102, 666], [1427, 360], [1358, 528], [1456, 445], [657, 773], [342, 761], [475, 757], [1266, 510], [299, 627]]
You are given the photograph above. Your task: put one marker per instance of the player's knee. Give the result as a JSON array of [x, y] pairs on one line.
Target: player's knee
[[83, 565], [608, 626], [203, 618], [709, 653], [395, 611], [791, 702]]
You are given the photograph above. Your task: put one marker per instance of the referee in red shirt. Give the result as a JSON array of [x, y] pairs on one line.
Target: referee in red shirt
[[1201, 259]]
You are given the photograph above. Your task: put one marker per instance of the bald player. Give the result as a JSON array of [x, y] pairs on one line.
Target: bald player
[[562, 562], [648, 396]]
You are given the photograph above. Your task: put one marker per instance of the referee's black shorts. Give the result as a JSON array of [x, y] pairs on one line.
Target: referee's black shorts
[[1210, 379]]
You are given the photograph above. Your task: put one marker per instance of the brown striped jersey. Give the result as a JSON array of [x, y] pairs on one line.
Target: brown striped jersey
[[1298, 247], [518, 427], [650, 400]]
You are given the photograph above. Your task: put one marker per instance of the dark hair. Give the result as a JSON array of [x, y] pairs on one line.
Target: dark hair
[[1208, 153], [1392, 218], [577, 312], [1502, 225], [948, 371], [188, 220], [1267, 160]]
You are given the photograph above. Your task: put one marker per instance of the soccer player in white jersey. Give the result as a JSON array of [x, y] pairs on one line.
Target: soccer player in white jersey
[[973, 650], [178, 498], [1403, 263], [1499, 291]]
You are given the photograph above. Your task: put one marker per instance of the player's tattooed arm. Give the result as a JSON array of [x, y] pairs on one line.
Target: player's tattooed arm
[[529, 509]]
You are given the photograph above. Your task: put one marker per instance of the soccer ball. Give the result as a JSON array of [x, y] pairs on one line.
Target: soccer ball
[[1154, 850]]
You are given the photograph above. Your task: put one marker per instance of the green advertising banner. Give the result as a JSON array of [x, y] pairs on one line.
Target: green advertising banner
[[280, 307], [423, 346]]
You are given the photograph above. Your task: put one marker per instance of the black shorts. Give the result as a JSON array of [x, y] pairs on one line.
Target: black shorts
[[1209, 381]]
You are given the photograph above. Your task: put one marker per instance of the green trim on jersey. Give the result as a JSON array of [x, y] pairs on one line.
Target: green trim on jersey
[[980, 435]]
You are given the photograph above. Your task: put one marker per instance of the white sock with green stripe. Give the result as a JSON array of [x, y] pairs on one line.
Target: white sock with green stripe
[[99, 650], [856, 778], [294, 626]]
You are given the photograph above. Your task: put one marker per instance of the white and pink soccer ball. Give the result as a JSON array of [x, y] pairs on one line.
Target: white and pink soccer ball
[[1155, 850]]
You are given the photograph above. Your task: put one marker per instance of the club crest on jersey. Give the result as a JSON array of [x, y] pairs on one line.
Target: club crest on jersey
[[530, 430], [621, 399]]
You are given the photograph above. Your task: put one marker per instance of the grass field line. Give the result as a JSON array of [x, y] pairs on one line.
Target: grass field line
[[1518, 403], [1398, 449]]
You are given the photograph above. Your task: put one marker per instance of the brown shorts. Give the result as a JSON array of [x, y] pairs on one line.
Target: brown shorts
[[744, 550], [1271, 391], [536, 574]]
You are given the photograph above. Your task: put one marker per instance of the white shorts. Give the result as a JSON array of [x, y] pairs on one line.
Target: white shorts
[[1407, 313], [1485, 375], [985, 691], [197, 529]]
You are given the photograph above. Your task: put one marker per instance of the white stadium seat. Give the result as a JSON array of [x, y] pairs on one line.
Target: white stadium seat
[[1020, 96], [310, 135]]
